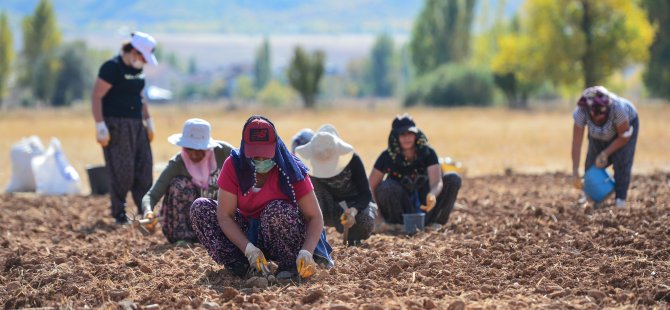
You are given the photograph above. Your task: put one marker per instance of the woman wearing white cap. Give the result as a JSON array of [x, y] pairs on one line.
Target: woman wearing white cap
[[340, 184], [120, 115], [189, 175]]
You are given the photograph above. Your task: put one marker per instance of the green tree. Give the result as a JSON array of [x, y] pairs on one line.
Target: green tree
[[74, 75], [262, 66], [441, 33], [41, 39], [6, 54], [560, 38], [305, 72], [657, 74], [381, 67]]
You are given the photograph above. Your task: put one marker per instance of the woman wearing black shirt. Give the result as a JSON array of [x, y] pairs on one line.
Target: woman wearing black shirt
[[340, 184], [414, 182], [120, 115]]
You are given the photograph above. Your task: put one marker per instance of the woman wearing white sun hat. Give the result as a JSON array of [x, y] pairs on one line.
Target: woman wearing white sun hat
[[340, 184], [190, 174], [122, 122]]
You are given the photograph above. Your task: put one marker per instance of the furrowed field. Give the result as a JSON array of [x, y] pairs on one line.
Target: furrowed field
[[515, 240]]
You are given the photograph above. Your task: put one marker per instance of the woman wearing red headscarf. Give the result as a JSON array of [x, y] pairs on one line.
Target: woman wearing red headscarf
[[613, 127]]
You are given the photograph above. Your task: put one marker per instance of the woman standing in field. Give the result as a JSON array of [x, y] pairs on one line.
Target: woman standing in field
[[190, 174], [119, 110], [340, 184], [413, 177], [613, 127], [266, 206]]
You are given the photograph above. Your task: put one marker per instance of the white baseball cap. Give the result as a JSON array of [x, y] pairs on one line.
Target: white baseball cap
[[195, 135], [146, 45]]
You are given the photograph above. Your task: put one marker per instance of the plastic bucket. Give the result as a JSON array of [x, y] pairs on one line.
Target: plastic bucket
[[98, 178], [598, 184], [413, 222]]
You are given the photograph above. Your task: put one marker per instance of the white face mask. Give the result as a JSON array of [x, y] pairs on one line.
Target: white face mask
[[137, 64]]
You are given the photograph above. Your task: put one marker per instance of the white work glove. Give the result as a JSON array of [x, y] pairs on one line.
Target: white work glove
[[601, 160], [306, 264], [102, 133], [149, 125], [348, 217], [256, 258], [431, 200]]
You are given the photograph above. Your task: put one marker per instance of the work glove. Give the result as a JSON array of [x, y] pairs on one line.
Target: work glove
[[306, 264], [149, 125], [577, 181], [601, 160], [102, 133], [431, 200], [256, 258], [348, 217]]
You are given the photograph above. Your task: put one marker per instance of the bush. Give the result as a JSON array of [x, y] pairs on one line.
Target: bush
[[453, 85], [274, 94]]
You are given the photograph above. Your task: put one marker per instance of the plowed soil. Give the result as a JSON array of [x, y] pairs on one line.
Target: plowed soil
[[517, 241]]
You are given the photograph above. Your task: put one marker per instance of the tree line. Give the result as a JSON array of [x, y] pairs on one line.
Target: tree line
[[547, 49]]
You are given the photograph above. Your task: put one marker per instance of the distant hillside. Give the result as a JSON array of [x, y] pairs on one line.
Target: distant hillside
[[229, 16]]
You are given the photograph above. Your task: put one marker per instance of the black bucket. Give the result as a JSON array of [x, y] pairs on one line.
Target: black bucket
[[98, 178]]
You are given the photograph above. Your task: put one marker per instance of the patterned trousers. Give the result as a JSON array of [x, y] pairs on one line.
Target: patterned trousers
[[393, 200], [175, 211], [129, 162], [621, 160], [281, 235]]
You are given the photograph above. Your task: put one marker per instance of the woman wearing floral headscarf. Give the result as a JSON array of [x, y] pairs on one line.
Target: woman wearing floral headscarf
[[190, 174], [266, 208], [414, 182], [613, 127]]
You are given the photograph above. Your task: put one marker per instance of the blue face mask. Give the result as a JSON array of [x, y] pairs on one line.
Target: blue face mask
[[263, 166]]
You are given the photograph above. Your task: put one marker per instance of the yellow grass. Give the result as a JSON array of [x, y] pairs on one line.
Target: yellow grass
[[486, 141]]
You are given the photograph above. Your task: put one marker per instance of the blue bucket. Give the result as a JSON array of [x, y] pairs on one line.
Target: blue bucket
[[413, 222], [598, 184]]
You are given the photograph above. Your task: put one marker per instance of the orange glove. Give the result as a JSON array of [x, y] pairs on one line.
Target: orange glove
[[577, 181], [431, 200], [256, 258], [348, 217], [306, 264]]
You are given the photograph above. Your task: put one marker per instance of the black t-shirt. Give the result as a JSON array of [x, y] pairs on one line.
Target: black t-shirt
[[413, 175], [124, 99]]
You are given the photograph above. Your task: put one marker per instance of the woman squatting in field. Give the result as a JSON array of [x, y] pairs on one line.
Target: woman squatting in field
[[266, 208], [118, 110], [190, 174], [413, 177], [340, 184], [613, 127]]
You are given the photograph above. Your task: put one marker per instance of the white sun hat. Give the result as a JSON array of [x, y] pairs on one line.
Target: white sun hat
[[195, 135], [146, 45], [325, 155]]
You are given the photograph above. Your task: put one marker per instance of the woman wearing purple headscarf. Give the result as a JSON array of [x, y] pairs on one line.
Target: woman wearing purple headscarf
[[613, 127]]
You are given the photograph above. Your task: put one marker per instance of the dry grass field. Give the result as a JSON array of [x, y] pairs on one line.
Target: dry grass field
[[486, 141]]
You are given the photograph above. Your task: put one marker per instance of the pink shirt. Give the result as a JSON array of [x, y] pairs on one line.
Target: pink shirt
[[253, 203]]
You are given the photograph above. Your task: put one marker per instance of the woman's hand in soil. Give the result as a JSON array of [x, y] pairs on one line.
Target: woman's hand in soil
[[256, 258], [306, 264]]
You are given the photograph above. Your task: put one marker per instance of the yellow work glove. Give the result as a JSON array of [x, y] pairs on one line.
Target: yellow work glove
[[601, 160], [256, 258], [577, 181], [431, 200], [306, 264], [149, 125], [102, 133], [348, 217]]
